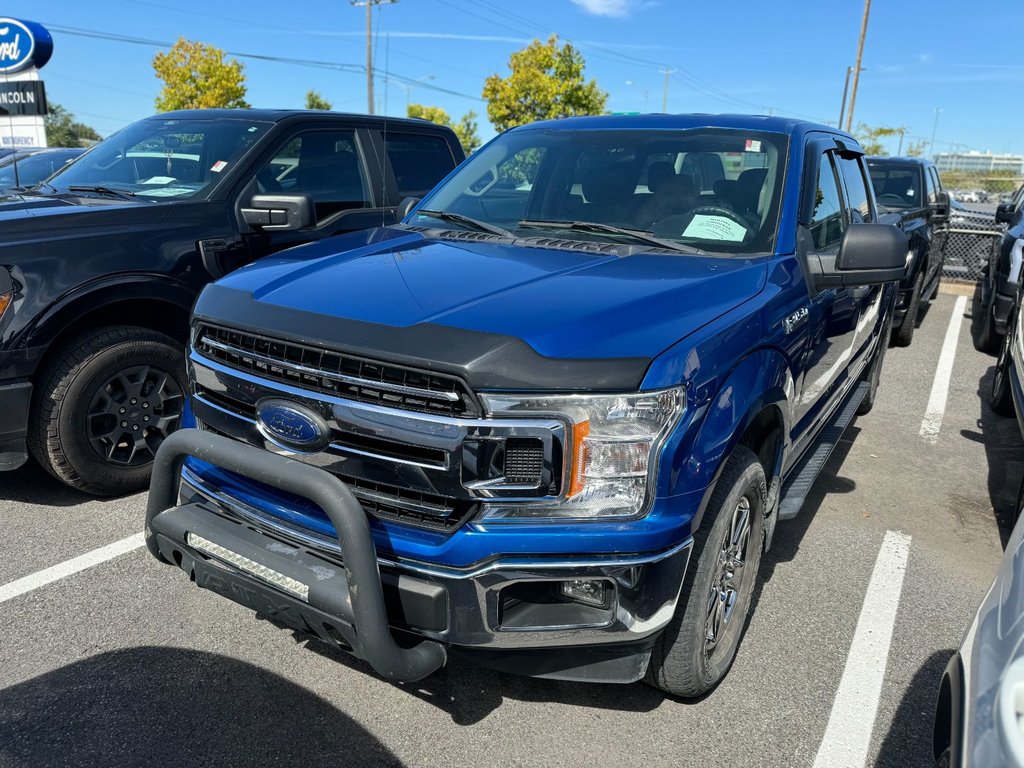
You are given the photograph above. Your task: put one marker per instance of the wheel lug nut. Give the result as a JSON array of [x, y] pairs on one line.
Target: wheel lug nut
[[145, 418], [121, 411], [145, 405], [134, 401], [124, 423], [135, 427]]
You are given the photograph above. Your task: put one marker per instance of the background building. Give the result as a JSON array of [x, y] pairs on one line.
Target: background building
[[979, 162]]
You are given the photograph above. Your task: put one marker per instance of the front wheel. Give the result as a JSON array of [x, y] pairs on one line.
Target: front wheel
[[905, 333], [104, 404], [699, 644], [987, 338], [1000, 398]]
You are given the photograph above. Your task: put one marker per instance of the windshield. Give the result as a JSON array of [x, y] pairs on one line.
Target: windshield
[[712, 189], [33, 168], [163, 159], [896, 186]]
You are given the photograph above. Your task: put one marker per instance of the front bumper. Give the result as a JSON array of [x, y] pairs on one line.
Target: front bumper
[[15, 400], [505, 611]]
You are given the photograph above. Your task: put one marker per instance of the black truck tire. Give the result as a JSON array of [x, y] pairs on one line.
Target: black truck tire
[[874, 374], [987, 338], [683, 661], [103, 404], [905, 333], [1000, 399]]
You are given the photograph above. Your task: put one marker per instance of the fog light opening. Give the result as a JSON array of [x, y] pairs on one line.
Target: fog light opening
[[586, 591]]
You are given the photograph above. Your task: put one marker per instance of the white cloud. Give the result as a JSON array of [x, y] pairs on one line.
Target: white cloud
[[604, 7]]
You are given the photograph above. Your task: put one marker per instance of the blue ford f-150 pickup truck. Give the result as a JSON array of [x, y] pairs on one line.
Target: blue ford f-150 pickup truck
[[550, 420]]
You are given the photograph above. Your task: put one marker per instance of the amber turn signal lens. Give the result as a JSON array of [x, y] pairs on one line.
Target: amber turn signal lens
[[579, 457], [5, 301]]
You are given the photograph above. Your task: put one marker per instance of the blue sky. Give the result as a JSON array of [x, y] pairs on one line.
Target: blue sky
[[786, 56]]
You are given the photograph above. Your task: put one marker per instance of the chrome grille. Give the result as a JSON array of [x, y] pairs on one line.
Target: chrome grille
[[337, 374]]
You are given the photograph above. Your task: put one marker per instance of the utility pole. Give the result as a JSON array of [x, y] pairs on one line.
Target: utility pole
[[856, 67], [935, 127], [664, 94], [846, 87], [899, 152], [369, 44]]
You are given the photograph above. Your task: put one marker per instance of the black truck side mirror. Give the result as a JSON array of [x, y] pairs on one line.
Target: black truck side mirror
[[871, 254], [1004, 213], [278, 212], [405, 207], [940, 208]]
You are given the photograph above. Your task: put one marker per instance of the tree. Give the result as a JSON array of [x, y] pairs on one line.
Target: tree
[[870, 138], [62, 130], [916, 148], [546, 81], [465, 130], [196, 76], [315, 101]]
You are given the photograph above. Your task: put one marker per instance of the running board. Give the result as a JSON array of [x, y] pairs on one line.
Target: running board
[[800, 481]]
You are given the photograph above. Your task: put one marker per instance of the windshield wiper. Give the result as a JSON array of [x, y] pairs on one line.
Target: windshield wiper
[[458, 218], [101, 190], [611, 229]]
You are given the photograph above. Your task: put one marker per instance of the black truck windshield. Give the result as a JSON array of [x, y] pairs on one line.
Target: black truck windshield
[[897, 187], [712, 189], [161, 159]]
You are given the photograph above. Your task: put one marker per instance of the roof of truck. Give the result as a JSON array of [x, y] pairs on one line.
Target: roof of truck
[[663, 122], [277, 115]]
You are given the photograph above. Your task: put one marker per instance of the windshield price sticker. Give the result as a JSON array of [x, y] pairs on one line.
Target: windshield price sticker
[[219, 166], [752, 145], [715, 228]]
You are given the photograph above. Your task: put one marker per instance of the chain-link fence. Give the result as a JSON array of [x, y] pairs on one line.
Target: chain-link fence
[[973, 237]]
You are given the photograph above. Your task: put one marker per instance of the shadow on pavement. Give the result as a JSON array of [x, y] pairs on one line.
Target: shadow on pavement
[[909, 740], [468, 693], [1004, 454], [175, 707], [31, 484]]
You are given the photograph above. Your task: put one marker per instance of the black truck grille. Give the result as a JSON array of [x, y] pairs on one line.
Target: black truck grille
[[333, 373]]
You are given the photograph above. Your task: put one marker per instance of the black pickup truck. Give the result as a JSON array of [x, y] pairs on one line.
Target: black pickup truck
[[910, 187], [101, 263]]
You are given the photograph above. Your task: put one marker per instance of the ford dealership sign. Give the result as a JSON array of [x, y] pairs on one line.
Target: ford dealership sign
[[23, 45]]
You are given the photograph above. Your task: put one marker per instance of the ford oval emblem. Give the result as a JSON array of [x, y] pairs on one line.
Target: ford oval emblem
[[292, 426], [23, 44]]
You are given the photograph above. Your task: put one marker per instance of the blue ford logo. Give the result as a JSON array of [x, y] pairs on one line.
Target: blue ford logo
[[23, 44], [292, 426]]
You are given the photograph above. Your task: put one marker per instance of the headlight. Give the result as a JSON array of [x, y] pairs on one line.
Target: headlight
[[611, 457]]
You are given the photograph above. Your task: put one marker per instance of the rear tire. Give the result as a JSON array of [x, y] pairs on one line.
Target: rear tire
[[699, 644], [905, 333], [103, 404]]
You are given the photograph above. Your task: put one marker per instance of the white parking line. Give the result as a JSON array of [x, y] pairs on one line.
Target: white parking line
[[848, 734], [69, 567], [932, 422]]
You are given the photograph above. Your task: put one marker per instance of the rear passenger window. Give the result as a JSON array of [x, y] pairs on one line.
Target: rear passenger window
[[929, 181], [857, 206], [418, 162], [827, 225]]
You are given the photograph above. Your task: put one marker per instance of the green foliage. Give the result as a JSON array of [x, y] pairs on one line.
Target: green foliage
[[917, 148], [62, 130], [870, 138], [315, 101], [546, 82], [196, 76], [465, 129]]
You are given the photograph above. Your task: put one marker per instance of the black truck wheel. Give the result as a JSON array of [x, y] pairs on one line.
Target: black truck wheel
[[1000, 398], [987, 338], [700, 642], [104, 403], [905, 333]]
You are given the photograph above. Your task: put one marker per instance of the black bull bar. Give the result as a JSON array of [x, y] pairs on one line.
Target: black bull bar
[[362, 608]]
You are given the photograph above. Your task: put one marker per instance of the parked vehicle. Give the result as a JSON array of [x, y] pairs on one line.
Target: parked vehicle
[[911, 187], [600, 349], [1007, 396], [978, 715], [999, 282], [27, 167], [101, 264]]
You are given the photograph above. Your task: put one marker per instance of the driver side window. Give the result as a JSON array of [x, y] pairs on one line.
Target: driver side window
[[325, 166], [827, 224]]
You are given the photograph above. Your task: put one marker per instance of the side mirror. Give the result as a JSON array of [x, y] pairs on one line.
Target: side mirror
[[278, 212], [940, 208], [1004, 213], [872, 254], [405, 207]]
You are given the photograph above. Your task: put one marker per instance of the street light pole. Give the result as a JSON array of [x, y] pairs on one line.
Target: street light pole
[[664, 94], [369, 44], [935, 126]]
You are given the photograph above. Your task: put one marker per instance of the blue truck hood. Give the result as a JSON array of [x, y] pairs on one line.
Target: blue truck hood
[[563, 304]]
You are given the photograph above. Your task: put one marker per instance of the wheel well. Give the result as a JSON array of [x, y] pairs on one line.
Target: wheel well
[[164, 317], [764, 437]]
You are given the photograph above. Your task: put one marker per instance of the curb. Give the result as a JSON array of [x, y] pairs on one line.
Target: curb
[[957, 289]]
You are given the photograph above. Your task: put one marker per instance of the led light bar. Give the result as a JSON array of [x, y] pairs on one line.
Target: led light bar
[[269, 575]]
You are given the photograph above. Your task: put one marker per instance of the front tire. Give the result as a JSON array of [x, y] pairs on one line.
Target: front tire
[[104, 404], [905, 333], [699, 644], [1001, 399], [987, 339]]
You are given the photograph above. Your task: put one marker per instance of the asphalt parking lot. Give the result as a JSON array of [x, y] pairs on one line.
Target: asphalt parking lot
[[126, 663]]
